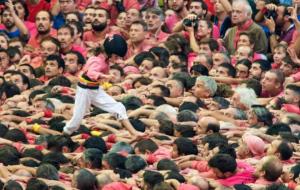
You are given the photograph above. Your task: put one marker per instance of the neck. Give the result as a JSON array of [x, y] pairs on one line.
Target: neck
[[221, 16], [102, 33], [275, 92], [242, 23], [183, 13]]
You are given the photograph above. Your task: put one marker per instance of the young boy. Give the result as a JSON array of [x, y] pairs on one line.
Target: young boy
[[88, 90], [280, 52]]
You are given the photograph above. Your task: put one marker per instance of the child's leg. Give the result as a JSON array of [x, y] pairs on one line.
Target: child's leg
[[107, 103], [82, 103]]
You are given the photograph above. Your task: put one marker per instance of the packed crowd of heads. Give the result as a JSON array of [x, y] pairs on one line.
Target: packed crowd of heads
[[212, 85]]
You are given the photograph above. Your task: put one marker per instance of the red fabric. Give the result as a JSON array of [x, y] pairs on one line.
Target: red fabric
[[291, 108], [242, 29], [112, 138], [47, 113], [117, 186], [34, 9], [85, 136]]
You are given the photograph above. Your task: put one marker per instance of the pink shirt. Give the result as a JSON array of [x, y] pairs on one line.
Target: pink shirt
[[159, 154], [244, 175], [94, 67]]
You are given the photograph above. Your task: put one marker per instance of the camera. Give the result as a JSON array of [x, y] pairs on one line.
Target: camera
[[270, 14], [188, 22]]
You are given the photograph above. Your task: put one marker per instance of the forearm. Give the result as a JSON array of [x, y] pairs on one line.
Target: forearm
[[174, 101], [20, 25], [178, 27], [55, 9], [226, 5], [259, 16], [193, 42], [150, 122]]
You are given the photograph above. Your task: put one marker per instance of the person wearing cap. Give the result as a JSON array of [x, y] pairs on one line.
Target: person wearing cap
[[88, 90]]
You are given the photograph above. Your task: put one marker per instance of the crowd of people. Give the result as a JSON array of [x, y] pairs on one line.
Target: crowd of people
[[149, 94]]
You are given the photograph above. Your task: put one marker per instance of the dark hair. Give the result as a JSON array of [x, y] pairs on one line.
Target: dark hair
[[212, 43], [146, 145], [95, 142], [245, 62], [117, 67], [152, 178], [278, 127], [263, 114], [175, 175], [167, 164], [32, 71], [36, 184], [67, 26], [123, 173], [185, 130], [142, 80], [12, 185], [230, 68], [142, 23], [3, 130], [264, 64], [285, 151], [9, 155], [223, 162], [135, 163], [255, 85], [275, 186], [94, 156], [25, 79], [242, 187], [166, 127], [214, 140], [185, 146], [61, 81], [187, 115], [294, 88], [52, 40], [138, 124], [200, 69], [58, 59], [86, 180], [162, 54], [222, 102], [80, 58], [215, 128], [13, 51], [47, 171], [115, 160], [295, 170], [139, 58], [33, 153], [16, 135], [157, 100], [132, 102], [9, 90], [227, 149], [165, 91], [251, 38]]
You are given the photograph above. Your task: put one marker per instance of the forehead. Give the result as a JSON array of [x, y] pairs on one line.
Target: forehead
[[133, 11], [89, 10], [139, 26], [16, 76], [195, 3], [3, 53], [270, 75], [24, 67], [71, 56], [241, 67], [238, 6], [64, 30], [243, 49], [100, 11], [47, 43], [244, 37], [43, 14], [51, 62]]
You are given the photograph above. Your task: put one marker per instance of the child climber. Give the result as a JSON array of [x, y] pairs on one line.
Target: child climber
[[89, 91]]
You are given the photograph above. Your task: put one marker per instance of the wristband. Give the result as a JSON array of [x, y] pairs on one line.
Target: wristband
[[47, 113], [85, 136], [95, 133], [36, 128], [28, 120], [65, 90]]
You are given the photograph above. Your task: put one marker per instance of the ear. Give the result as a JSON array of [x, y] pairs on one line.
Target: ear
[[60, 70]]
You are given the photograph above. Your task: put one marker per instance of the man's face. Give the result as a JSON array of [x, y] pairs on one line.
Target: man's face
[[131, 16], [71, 62], [88, 16], [242, 53], [153, 21], [204, 48], [269, 82], [70, 18], [255, 71], [290, 96], [202, 60], [243, 41], [195, 7], [146, 66], [65, 38], [157, 73], [222, 72], [279, 54], [218, 59], [48, 48], [42, 22], [203, 29], [7, 19], [219, 8], [17, 44], [136, 33], [52, 69], [117, 75], [175, 90], [199, 90], [17, 80], [3, 42], [176, 5], [100, 20], [238, 14], [4, 61], [67, 6], [287, 69], [26, 71], [242, 71]]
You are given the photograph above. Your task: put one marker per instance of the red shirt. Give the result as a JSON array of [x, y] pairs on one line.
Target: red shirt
[[34, 9], [35, 39]]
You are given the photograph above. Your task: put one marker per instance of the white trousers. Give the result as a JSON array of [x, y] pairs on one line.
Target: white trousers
[[83, 100]]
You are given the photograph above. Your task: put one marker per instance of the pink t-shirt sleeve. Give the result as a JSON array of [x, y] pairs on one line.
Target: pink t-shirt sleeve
[[201, 166], [95, 66]]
